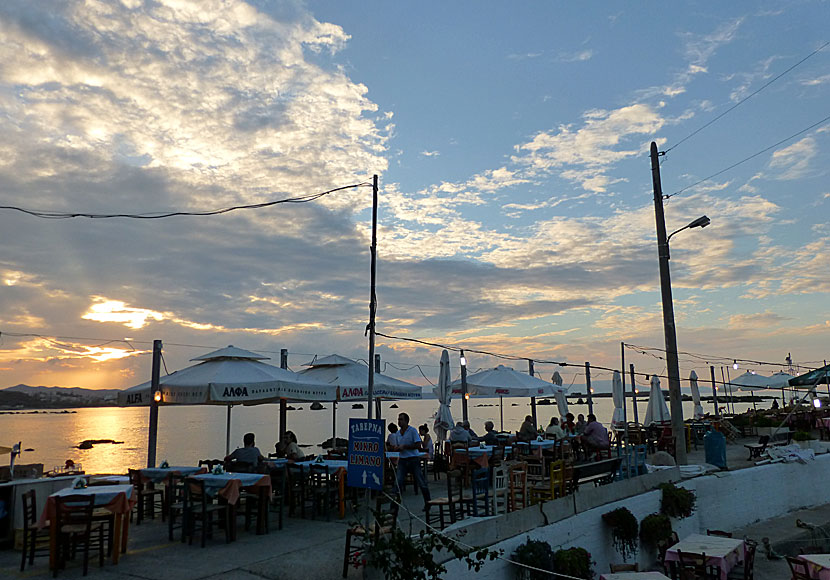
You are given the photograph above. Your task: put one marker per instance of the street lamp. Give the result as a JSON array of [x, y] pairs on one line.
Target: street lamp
[[672, 365]]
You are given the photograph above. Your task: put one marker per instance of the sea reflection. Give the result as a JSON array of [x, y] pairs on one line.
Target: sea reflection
[[187, 434]]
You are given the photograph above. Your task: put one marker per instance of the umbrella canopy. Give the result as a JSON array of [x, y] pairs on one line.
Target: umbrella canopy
[[657, 410], [698, 412], [352, 379], [503, 381], [226, 377], [779, 380], [751, 382], [617, 396], [815, 377], [559, 395], [443, 418]]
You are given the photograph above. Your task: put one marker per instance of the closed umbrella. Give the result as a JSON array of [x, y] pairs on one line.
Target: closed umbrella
[[443, 392], [698, 412], [617, 395], [559, 395], [657, 410]]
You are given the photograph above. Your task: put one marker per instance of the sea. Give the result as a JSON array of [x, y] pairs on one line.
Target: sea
[[187, 434]]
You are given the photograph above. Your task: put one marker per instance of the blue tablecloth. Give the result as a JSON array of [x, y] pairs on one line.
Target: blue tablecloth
[[160, 474]]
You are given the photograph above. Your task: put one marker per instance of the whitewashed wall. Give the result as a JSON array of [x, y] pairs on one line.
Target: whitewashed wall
[[727, 500]]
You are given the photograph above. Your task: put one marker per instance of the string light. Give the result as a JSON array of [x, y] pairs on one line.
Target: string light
[[735, 364]]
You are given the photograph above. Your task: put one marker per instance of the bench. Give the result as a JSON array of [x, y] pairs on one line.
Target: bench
[[764, 441], [598, 472]]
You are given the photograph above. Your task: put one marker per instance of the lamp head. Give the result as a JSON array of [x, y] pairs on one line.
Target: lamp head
[[157, 396], [700, 222], [463, 359]]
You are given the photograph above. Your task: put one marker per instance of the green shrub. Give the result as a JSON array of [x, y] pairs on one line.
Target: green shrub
[[677, 502], [655, 527], [624, 531], [536, 553], [574, 562]]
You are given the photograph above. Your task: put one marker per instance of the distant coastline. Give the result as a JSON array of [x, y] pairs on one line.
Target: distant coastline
[[26, 399]]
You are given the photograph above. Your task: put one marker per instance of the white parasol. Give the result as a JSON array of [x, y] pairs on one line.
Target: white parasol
[[617, 396], [698, 412], [559, 395], [443, 417], [657, 410]]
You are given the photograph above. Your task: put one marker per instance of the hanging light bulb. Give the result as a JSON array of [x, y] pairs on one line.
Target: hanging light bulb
[[735, 364], [463, 359]]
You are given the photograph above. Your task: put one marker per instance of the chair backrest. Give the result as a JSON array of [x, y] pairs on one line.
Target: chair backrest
[[557, 477], [480, 481], [135, 478], [455, 485], [499, 478], [195, 495], [237, 466], [29, 509], [749, 560], [691, 560], [798, 568], [386, 513], [319, 476], [763, 439], [75, 510], [635, 567], [175, 488]]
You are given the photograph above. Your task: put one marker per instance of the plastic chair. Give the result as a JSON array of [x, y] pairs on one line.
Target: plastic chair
[[35, 541], [75, 529]]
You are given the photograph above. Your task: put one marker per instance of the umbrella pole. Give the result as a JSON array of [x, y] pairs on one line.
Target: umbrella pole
[[228, 432], [334, 424], [501, 412]]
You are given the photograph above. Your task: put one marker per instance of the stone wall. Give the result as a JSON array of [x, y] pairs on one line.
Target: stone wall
[[725, 500]]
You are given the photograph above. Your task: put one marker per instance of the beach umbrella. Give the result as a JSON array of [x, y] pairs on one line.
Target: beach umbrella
[[559, 395], [657, 410], [698, 412], [229, 376], [443, 417], [813, 378], [751, 382], [617, 395]]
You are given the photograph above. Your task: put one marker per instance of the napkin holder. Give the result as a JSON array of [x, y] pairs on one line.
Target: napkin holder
[[79, 483], [319, 459], [218, 470], [539, 438], [164, 464]]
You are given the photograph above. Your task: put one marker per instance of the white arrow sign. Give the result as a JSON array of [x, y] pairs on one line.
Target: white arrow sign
[[364, 477]]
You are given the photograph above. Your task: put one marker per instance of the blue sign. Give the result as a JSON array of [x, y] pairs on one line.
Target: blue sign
[[366, 456]]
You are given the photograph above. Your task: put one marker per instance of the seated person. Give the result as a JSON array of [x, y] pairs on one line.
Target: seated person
[[426, 441], [569, 427], [490, 435], [580, 424], [473, 436], [527, 432], [554, 429], [459, 435], [392, 440], [595, 435], [247, 458], [292, 450]]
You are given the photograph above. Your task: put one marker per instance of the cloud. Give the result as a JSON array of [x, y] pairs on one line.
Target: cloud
[[579, 56], [793, 162], [430, 153]]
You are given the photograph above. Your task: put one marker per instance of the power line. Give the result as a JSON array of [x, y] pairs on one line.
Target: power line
[[160, 215], [745, 99], [753, 156]]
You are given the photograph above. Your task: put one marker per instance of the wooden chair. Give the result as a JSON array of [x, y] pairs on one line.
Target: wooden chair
[[452, 505], [385, 519], [149, 497], [322, 490], [35, 541], [297, 489], [201, 509], [812, 549], [719, 533], [517, 484], [799, 568], [279, 486], [747, 572], [500, 490], [478, 501], [635, 567], [76, 529], [176, 505], [694, 567]]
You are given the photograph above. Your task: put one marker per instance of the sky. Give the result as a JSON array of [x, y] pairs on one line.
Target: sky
[[516, 211]]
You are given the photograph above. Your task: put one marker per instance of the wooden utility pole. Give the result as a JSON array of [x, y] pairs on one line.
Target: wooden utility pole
[[283, 401], [373, 304], [155, 398], [634, 394], [588, 387], [673, 367], [714, 391]]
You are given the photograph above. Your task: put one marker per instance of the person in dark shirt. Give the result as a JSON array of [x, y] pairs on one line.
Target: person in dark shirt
[[248, 457], [490, 436]]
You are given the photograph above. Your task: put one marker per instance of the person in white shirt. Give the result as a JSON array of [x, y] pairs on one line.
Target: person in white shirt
[[409, 444]]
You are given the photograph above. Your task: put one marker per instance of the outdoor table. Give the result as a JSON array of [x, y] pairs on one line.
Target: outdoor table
[[721, 552], [117, 499], [162, 474], [397, 455], [277, 463], [818, 565], [634, 576], [229, 485], [110, 479], [333, 464]]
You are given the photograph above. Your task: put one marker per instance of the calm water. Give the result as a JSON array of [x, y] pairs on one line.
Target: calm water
[[187, 434]]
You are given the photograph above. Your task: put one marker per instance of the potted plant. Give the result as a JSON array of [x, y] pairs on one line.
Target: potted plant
[[803, 438], [677, 502], [574, 562], [654, 528], [624, 531], [399, 556], [535, 553]]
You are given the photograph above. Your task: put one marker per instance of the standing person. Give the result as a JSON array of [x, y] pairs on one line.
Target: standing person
[[426, 441], [392, 438], [409, 444], [527, 432]]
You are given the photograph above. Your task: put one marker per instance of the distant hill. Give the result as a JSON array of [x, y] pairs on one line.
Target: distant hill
[[26, 397]]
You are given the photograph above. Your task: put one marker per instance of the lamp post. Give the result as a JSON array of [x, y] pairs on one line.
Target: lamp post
[[464, 394], [673, 367]]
